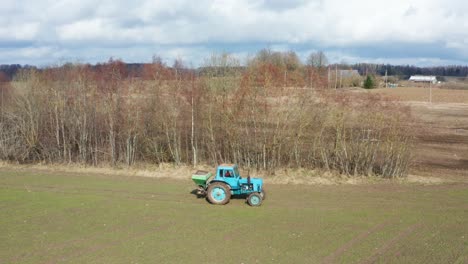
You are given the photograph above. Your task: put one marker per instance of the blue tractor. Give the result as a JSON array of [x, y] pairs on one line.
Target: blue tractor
[[228, 182]]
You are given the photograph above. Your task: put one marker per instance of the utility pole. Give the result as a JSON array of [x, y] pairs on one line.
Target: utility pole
[[430, 92], [386, 83], [336, 75], [341, 79], [328, 82]]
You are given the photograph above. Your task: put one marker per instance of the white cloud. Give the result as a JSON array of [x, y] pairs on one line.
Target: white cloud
[[25, 31], [78, 25]]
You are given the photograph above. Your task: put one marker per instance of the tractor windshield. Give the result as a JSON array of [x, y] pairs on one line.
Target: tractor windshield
[[236, 172]]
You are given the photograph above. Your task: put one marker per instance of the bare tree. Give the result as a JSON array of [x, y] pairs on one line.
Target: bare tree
[[317, 59], [222, 112]]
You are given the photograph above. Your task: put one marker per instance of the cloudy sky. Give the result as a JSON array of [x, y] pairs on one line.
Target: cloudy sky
[[419, 32]]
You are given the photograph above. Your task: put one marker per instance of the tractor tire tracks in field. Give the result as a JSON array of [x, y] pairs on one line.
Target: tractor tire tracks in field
[[98, 192], [332, 258], [100, 247], [355, 240], [392, 242]]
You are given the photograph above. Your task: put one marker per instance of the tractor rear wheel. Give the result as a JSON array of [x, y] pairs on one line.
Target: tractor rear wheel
[[218, 193], [254, 199]]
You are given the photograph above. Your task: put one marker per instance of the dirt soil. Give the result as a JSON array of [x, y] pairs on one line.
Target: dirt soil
[[441, 130], [422, 94]]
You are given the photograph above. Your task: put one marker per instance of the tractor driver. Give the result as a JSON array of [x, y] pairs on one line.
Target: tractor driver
[[228, 174]]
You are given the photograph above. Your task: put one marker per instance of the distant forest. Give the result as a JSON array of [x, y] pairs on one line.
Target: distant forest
[[408, 70], [8, 71]]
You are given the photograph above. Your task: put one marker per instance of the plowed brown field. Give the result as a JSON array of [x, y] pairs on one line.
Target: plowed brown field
[[441, 130]]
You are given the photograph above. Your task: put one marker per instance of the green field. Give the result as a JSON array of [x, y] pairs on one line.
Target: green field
[[50, 217]]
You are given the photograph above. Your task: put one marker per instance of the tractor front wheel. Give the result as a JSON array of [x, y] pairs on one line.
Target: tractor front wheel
[[263, 194], [254, 199], [218, 193]]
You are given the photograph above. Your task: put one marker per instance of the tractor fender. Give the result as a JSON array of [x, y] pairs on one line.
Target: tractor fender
[[213, 181]]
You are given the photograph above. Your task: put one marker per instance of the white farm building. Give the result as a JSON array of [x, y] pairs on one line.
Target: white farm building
[[423, 79]]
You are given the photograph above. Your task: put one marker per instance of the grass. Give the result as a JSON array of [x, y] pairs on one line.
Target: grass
[[58, 217]]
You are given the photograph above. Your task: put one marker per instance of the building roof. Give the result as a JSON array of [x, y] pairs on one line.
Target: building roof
[[422, 78], [349, 73]]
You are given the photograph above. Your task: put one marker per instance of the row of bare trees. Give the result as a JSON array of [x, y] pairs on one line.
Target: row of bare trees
[[264, 116]]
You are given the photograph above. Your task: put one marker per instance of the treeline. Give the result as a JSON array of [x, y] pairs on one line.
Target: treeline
[[8, 71], [407, 70], [274, 113], [318, 59]]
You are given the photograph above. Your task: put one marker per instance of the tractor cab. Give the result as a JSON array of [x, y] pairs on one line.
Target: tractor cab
[[228, 173]]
